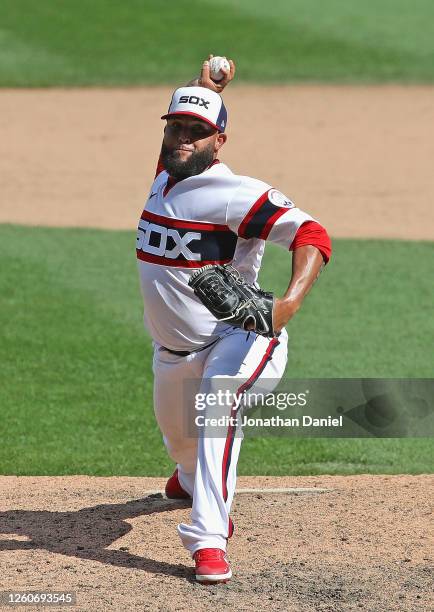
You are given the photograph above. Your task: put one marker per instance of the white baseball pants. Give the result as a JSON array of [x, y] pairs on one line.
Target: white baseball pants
[[206, 463]]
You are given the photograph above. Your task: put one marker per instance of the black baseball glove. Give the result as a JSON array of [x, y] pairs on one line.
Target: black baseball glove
[[230, 298]]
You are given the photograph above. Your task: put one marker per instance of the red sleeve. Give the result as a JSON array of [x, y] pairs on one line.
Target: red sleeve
[[314, 234], [159, 168]]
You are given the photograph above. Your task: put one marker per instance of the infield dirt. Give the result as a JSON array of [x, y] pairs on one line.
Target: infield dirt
[[357, 158], [364, 544]]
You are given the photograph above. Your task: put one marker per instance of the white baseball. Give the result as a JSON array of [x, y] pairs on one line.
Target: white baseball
[[216, 64]]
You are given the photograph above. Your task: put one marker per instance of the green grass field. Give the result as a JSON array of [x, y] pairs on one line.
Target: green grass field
[[107, 42], [76, 388]]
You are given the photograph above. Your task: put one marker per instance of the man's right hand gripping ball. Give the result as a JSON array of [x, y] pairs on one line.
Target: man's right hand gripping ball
[[205, 80]]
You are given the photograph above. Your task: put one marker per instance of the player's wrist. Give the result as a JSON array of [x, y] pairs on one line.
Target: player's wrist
[[290, 305], [284, 310]]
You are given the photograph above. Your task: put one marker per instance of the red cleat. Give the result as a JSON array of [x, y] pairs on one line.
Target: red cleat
[[173, 488], [212, 566]]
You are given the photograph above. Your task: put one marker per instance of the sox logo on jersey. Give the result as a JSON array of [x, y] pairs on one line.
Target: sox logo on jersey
[[166, 241], [145, 236]]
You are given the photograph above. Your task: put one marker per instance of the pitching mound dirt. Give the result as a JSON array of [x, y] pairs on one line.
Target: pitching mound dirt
[[357, 158], [364, 543]]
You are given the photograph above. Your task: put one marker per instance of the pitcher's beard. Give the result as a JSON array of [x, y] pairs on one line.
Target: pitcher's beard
[[197, 162]]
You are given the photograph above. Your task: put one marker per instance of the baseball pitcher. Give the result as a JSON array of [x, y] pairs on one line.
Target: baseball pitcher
[[200, 243]]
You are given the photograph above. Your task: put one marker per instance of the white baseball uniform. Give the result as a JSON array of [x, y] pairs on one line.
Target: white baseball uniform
[[213, 217]]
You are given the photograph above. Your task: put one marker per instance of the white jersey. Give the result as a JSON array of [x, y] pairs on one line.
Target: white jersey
[[214, 217]]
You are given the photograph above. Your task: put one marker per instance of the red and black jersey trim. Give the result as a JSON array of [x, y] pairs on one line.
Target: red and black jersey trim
[[274, 342], [183, 243], [261, 218]]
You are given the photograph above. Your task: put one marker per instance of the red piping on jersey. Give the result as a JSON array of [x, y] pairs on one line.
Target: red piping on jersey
[[271, 221], [312, 233], [251, 212], [231, 429], [197, 225], [177, 263]]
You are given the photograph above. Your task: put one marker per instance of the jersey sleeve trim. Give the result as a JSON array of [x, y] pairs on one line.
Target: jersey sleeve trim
[[271, 221], [314, 234], [242, 230], [261, 217]]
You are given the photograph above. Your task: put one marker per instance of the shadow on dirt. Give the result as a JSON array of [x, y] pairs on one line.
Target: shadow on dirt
[[87, 533]]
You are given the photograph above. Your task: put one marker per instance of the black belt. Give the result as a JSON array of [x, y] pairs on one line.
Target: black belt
[[185, 353]]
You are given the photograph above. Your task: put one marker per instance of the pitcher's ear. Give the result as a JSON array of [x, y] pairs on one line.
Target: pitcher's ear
[[220, 141]]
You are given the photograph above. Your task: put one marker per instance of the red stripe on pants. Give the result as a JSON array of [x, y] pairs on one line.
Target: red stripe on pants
[[231, 429]]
